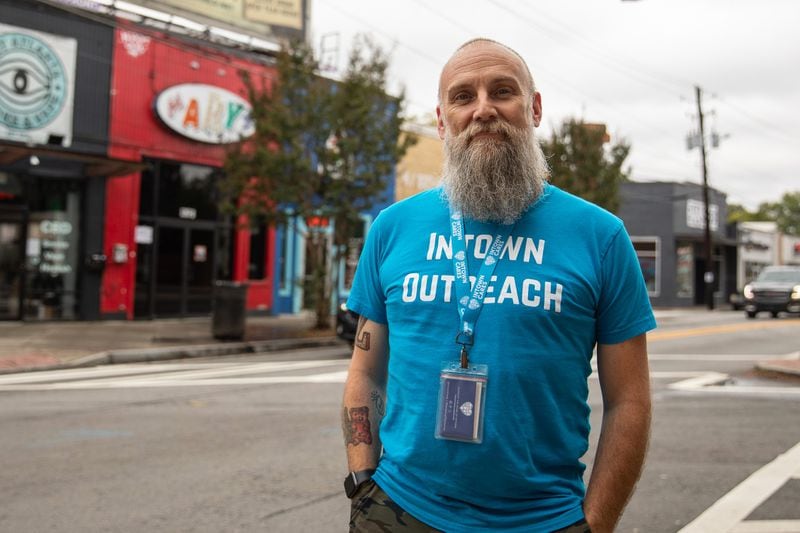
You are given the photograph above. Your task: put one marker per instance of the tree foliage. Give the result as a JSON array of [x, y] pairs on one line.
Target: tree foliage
[[739, 213], [582, 164], [321, 148], [785, 213]]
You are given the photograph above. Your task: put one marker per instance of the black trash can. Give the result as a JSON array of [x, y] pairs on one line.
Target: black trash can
[[228, 318]]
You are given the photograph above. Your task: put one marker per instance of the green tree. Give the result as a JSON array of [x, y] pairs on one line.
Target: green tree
[[739, 213], [582, 164], [785, 213], [320, 149]]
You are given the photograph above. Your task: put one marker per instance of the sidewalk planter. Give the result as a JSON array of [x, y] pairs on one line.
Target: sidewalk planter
[[228, 317]]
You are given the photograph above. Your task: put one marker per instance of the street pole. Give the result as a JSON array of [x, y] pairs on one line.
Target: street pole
[[708, 276]]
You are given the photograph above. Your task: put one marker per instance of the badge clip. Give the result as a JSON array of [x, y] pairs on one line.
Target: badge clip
[[464, 339]]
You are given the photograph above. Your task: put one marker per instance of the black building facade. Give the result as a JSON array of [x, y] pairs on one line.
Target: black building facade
[[666, 222], [54, 120]]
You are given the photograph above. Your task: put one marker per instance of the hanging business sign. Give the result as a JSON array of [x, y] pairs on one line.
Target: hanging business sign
[[205, 113], [37, 80]]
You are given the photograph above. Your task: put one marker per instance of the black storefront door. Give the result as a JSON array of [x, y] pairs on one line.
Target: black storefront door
[[12, 264], [175, 274]]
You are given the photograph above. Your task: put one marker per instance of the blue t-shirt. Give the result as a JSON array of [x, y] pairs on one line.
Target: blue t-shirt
[[568, 278]]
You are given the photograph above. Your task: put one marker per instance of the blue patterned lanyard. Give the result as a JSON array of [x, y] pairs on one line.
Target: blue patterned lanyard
[[470, 303]]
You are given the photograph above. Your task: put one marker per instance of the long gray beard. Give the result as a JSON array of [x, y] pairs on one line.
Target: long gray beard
[[493, 180]]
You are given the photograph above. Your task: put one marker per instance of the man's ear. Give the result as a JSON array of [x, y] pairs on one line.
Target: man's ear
[[536, 108], [439, 122]]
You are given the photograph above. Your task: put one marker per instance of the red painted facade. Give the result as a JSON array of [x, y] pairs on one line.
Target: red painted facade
[[144, 64]]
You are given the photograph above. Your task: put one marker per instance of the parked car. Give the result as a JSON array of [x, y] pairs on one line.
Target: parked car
[[736, 300], [776, 289], [346, 323]]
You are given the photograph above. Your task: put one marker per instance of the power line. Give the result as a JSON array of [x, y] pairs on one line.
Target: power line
[[606, 59], [763, 125], [556, 80], [394, 39]]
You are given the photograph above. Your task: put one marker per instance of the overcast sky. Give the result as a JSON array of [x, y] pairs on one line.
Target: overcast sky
[[632, 65]]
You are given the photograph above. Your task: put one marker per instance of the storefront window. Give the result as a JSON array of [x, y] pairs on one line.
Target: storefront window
[[354, 246], [11, 251], [684, 275], [256, 269], [51, 251], [752, 270], [647, 252], [176, 190], [187, 191], [286, 233]]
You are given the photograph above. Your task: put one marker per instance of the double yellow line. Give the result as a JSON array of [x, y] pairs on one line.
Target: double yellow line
[[723, 328]]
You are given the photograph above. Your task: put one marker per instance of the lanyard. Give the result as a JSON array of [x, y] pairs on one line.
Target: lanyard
[[470, 302]]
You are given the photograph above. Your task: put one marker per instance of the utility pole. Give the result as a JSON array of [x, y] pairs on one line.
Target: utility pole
[[708, 276]]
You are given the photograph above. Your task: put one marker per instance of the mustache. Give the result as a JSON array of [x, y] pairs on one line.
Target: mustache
[[495, 126]]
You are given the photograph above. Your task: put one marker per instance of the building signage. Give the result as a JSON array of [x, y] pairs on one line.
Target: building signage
[[189, 213], [257, 17], [696, 215], [143, 235], [205, 113], [37, 79], [54, 246]]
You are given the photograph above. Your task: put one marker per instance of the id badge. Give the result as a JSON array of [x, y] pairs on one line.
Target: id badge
[[462, 396]]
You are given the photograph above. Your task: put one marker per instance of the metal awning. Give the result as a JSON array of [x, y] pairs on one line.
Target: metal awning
[[93, 165]]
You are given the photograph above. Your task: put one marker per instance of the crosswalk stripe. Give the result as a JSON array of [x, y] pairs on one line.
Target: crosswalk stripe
[[98, 371], [328, 377], [728, 513], [254, 368], [176, 375]]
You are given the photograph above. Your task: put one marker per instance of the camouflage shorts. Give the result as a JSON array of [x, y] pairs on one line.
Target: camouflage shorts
[[372, 511]]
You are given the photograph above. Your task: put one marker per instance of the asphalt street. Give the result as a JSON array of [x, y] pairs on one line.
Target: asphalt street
[[254, 443]]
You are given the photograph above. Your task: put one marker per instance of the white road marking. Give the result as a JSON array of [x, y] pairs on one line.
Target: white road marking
[[767, 526], [176, 375], [727, 514], [328, 377], [97, 371], [715, 383], [247, 373], [220, 370], [700, 382]]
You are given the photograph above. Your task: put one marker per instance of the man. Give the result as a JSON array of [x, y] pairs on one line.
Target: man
[[465, 407]]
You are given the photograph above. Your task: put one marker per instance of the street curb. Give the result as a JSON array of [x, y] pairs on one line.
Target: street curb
[[789, 365], [146, 355]]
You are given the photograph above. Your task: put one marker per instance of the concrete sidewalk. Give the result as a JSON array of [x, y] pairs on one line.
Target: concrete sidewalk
[[39, 345]]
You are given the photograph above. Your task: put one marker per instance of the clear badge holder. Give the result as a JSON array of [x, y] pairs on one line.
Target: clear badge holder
[[462, 396]]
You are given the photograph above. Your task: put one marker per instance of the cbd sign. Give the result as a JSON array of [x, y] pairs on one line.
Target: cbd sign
[[205, 113]]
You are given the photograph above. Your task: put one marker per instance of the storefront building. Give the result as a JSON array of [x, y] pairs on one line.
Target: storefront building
[[176, 105], [666, 222], [299, 238], [761, 244], [54, 112]]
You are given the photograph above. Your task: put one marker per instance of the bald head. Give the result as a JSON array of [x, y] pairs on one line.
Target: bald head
[[488, 44]]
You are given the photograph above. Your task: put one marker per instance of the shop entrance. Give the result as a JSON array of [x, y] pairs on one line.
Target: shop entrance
[[175, 273], [40, 222], [12, 264]]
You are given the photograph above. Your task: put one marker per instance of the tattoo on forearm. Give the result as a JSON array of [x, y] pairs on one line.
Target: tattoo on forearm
[[356, 426], [362, 337], [377, 401]]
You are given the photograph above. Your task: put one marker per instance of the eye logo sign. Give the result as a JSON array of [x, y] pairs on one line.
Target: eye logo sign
[[33, 88]]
